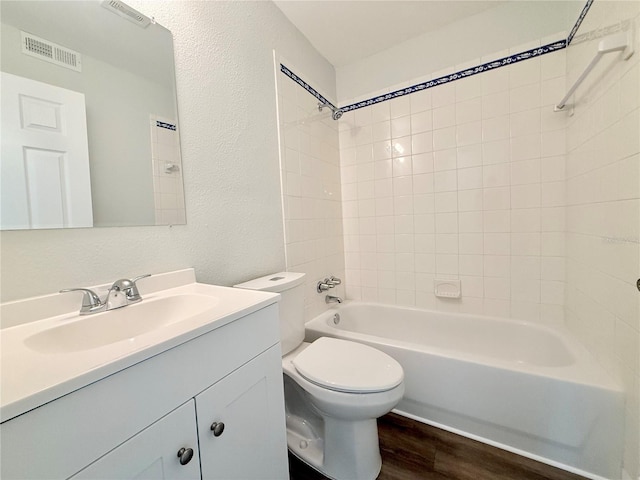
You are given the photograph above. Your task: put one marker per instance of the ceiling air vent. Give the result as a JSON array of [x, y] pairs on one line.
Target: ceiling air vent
[[50, 52], [125, 11]]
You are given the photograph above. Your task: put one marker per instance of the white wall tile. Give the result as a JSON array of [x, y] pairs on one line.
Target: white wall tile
[[468, 111], [400, 127], [468, 133], [497, 288], [446, 181], [470, 200], [471, 264], [422, 121], [497, 244], [444, 116], [444, 138], [446, 202], [469, 156], [495, 152], [524, 98], [468, 179], [498, 198], [497, 175], [445, 159], [526, 196], [495, 104], [525, 171], [422, 142], [400, 107], [380, 131], [496, 221], [524, 123], [446, 222], [443, 95]]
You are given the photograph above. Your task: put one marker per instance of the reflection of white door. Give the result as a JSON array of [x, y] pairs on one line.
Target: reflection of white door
[[44, 165]]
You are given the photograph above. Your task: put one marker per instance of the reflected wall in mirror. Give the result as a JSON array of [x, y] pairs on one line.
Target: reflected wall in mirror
[[90, 124]]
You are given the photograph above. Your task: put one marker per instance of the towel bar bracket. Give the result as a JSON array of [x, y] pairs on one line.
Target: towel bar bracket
[[619, 42]]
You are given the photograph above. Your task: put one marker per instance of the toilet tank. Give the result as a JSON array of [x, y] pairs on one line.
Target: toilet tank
[[290, 286]]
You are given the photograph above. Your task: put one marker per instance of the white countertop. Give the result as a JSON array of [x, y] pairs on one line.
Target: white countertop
[[31, 378]]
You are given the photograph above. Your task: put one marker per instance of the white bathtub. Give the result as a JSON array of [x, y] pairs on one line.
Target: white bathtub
[[516, 385]]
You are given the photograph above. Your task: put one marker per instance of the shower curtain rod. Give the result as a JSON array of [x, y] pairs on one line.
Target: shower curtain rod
[[613, 43]]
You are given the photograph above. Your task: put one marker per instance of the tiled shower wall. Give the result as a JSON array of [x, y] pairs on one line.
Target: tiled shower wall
[[603, 212], [310, 175], [168, 188], [465, 181]]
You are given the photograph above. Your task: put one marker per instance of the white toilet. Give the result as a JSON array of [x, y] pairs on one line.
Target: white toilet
[[334, 390]]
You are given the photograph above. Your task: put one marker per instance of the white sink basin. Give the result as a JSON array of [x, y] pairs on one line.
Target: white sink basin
[[92, 331], [47, 349]]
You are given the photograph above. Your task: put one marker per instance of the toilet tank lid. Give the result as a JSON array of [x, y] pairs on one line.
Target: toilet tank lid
[[276, 282]]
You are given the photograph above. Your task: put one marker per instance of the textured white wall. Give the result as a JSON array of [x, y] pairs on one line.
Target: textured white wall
[[227, 109]]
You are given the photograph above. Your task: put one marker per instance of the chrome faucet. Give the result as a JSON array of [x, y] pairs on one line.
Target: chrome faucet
[[123, 292], [327, 283], [332, 299]]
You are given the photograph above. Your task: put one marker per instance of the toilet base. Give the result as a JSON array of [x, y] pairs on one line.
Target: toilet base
[[303, 442], [349, 451], [334, 432]]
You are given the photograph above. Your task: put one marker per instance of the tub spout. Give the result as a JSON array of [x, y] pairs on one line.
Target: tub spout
[[332, 299]]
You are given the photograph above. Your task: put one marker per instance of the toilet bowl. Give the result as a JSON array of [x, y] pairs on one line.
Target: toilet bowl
[[334, 391], [333, 430]]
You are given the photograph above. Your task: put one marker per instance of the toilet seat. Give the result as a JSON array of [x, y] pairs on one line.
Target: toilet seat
[[347, 366]]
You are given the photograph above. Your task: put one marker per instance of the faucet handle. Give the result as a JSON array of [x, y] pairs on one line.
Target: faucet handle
[[90, 299], [323, 285], [129, 287], [140, 277], [333, 281], [133, 294]]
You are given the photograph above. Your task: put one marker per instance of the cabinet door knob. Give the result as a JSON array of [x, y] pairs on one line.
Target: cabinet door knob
[[217, 428], [185, 455]]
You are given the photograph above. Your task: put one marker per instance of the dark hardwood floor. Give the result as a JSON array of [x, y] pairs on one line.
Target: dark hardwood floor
[[414, 451]]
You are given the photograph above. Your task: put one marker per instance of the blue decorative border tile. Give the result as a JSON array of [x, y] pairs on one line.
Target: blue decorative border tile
[[168, 126], [304, 85], [485, 67], [575, 28], [469, 72]]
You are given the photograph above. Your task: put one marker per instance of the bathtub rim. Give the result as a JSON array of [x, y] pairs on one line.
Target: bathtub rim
[[585, 370]]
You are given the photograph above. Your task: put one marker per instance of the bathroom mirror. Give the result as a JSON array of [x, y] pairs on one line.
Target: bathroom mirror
[[101, 75]]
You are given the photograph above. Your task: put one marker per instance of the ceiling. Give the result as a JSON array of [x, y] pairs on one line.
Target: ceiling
[[345, 31]]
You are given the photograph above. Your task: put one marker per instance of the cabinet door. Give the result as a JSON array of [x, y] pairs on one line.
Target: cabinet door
[[153, 453], [246, 409]]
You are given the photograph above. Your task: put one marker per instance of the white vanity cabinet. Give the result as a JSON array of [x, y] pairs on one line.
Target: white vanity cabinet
[[238, 420], [153, 453], [133, 423]]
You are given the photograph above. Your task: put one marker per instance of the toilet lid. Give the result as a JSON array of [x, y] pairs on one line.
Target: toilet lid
[[348, 366]]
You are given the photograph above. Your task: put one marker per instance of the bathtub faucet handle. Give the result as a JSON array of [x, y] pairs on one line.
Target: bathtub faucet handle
[[327, 283], [324, 285]]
